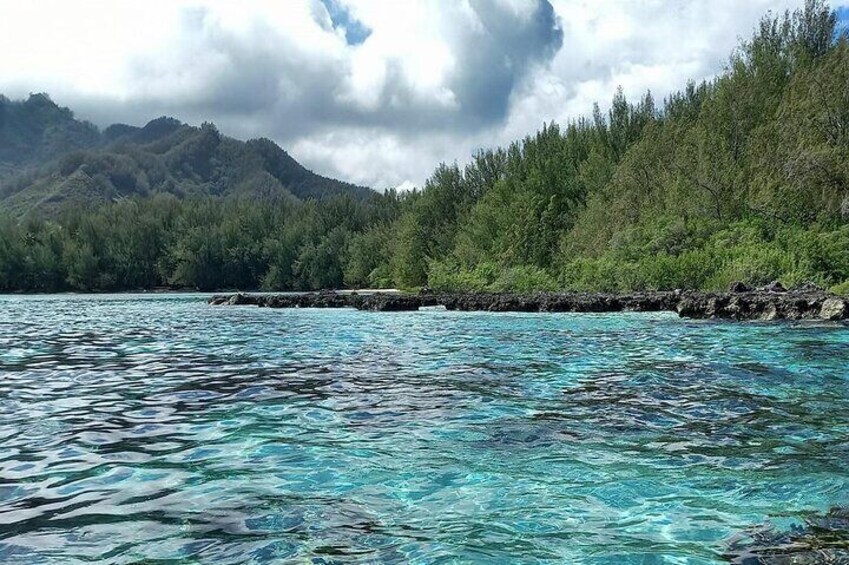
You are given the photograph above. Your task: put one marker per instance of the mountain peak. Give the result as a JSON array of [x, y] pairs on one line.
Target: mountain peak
[[163, 156], [40, 99]]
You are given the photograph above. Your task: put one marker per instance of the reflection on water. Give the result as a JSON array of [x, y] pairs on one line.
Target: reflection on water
[[137, 429]]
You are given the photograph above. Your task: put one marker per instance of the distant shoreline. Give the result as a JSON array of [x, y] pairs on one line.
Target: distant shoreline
[[196, 291]]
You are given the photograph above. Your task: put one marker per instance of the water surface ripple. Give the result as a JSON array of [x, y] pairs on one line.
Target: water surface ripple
[[156, 429]]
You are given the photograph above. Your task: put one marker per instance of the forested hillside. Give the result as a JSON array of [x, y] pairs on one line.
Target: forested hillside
[[745, 178], [37, 130], [50, 161]]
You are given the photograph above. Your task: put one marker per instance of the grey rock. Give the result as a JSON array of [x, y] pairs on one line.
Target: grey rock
[[808, 286], [739, 286], [834, 309], [774, 286]]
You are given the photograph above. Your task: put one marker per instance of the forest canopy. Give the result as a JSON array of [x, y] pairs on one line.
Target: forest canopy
[[745, 177]]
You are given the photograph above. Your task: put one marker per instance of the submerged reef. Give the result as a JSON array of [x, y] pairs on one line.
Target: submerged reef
[[822, 538]]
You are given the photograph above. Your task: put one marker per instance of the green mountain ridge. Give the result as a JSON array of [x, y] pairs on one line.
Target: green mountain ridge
[[49, 160]]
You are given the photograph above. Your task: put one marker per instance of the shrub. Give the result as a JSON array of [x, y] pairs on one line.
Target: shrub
[[842, 288], [603, 274], [451, 277], [380, 277], [823, 255], [691, 269], [758, 263], [524, 279]]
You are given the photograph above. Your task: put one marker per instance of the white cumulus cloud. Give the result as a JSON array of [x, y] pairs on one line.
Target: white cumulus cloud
[[375, 92]]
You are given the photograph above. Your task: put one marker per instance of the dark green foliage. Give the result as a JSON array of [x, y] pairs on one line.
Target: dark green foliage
[[742, 178], [37, 130], [201, 243]]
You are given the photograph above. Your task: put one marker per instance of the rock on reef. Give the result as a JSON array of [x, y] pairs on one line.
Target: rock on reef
[[774, 286], [738, 286]]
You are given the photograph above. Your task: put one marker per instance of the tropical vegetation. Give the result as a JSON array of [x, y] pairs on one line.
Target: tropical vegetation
[[744, 177]]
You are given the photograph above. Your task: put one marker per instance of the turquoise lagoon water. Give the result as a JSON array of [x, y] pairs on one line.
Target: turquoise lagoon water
[[157, 429]]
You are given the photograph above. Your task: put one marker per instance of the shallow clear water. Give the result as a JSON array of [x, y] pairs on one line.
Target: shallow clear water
[[158, 429]]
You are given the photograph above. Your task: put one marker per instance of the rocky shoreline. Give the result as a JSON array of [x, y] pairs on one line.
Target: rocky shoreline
[[739, 303]]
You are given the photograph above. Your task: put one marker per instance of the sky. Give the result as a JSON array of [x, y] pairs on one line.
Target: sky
[[375, 92]]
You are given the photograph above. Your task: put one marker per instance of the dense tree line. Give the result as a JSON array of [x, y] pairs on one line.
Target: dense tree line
[[204, 243], [745, 177]]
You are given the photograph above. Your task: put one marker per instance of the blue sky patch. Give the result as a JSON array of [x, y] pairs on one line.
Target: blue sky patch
[[843, 18], [355, 31]]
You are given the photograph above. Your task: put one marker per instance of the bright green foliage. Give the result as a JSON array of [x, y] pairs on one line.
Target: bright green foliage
[[751, 251], [842, 288], [489, 277], [447, 276], [365, 265]]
